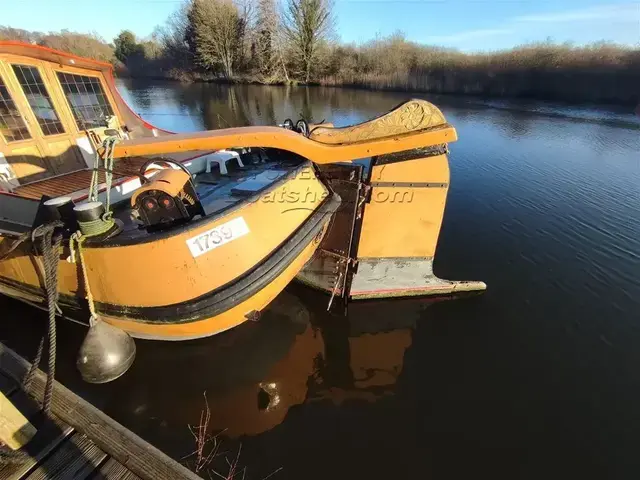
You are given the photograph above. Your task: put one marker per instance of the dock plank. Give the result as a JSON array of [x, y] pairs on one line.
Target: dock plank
[[15, 429], [114, 470], [51, 433], [50, 436], [76, 459], [126, 447]]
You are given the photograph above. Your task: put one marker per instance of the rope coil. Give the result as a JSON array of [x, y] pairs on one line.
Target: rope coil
[[97, 227]]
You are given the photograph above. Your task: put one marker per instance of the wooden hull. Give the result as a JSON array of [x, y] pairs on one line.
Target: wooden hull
[[154, 287], [157, 284]]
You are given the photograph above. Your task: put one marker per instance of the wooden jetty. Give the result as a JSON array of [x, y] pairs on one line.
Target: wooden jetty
[[80, 441]]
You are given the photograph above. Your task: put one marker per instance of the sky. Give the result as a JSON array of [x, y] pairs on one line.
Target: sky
[[469, 25]]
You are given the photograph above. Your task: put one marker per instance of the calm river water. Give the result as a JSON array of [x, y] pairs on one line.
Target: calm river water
[[537, 378]]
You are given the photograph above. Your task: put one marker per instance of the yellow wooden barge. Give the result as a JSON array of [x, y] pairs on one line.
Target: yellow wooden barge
[[178, 236]]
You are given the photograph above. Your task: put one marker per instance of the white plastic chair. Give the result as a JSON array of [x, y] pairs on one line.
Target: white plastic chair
[[221, 157]]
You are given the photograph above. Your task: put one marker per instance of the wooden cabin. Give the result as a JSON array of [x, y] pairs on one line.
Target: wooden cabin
[[54, 110]]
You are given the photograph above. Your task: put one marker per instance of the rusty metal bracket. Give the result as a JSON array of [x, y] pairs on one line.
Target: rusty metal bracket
[[364, 196]]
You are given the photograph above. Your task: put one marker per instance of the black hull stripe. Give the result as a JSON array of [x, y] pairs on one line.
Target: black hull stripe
[[68, 303], [223, 298]]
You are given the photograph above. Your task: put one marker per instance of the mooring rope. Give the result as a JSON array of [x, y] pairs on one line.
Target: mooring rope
[[50, 246], [49, 242]]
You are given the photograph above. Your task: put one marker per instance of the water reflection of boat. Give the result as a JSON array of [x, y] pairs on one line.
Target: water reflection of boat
[[364, 355], [251, 375], [298, 353]]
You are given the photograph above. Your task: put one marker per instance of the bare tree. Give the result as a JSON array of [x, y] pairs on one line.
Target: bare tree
[[10, 33], [177, 59], [307, 25], [246, 31], [83, 44], [215, 33], [265, 37]]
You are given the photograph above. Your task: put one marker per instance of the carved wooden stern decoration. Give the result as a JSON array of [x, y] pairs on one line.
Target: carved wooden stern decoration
[[411, 116]]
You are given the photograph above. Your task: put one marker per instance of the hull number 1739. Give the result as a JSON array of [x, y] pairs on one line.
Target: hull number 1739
[[225, 233]]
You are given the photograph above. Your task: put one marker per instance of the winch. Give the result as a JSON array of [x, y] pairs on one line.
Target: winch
[[169, 199]]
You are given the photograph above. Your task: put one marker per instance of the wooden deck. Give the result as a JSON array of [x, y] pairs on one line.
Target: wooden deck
[[81, 442], [68, 183]]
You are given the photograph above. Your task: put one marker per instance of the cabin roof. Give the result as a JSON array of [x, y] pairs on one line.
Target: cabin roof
[[50, 55]]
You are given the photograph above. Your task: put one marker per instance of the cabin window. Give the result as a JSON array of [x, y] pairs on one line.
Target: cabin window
[[12, 124], [87, 99], [38, 98]]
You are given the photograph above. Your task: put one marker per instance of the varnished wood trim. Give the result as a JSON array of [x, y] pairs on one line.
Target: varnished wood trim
[[275, 137]]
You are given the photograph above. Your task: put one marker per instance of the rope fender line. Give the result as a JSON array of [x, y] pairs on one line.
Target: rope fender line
[[75, 244]]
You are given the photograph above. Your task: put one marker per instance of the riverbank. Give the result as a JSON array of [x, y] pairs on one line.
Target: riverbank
[[571, 88], [599, 73], [596, 74]]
